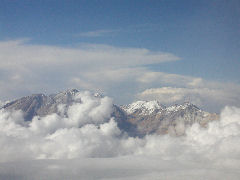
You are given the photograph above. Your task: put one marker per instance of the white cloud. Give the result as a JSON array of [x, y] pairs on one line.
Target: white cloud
[[27, 68], [209, 98], [174, 88], [204, 152], [160, 78], [97, 33], [18, 54]]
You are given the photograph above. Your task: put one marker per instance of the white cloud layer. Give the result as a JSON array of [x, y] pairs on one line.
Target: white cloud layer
[[27, 68], [89, 131], [119, 72]]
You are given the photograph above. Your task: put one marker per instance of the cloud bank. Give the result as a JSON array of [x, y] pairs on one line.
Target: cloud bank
[[87, 130]]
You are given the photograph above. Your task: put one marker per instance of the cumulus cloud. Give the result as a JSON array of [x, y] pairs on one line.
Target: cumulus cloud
[[87, 130]]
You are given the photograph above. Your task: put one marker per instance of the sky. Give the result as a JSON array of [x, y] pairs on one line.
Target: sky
[[172, 51]]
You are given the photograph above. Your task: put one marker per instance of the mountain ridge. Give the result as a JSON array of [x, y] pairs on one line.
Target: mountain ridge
[[137, 119]]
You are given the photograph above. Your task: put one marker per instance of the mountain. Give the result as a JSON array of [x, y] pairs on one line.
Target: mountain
[[152, 117], [137, 119], [40, 104]]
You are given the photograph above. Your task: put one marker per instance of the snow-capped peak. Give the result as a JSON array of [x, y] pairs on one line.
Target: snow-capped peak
[[178, 107], [146, 107]]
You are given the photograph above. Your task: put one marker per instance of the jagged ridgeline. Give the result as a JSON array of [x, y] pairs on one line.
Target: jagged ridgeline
[[137, 119]]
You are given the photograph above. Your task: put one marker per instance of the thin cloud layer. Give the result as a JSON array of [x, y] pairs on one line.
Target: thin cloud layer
[[18, 54], [27, 68], [97, 33], [118, 72], [87, 130]]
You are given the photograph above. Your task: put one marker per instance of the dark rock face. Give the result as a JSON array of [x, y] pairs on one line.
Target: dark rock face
[[137, 119]]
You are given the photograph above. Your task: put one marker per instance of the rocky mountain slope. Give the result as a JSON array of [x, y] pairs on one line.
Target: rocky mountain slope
[[137, 119], [152, 117], [40, 104]]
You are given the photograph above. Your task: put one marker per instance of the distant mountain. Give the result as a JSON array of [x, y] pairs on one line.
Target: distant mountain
[[137, 119]]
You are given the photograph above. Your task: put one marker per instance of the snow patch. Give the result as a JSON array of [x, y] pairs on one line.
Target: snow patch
[[146, 107], [177, 107]]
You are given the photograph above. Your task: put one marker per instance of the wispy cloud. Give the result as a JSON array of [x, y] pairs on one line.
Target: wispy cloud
[[97, 33], [110, 32]]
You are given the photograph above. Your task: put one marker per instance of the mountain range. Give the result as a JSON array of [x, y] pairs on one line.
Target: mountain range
[[137, 119]]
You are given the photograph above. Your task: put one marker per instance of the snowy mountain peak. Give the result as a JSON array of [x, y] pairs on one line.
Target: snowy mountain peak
[[146, 107], [183, 106]]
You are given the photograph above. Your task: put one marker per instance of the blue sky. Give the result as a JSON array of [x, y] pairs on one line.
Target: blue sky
[[204, 35]]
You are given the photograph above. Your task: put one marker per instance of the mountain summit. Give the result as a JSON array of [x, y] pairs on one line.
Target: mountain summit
[[152, 117]]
